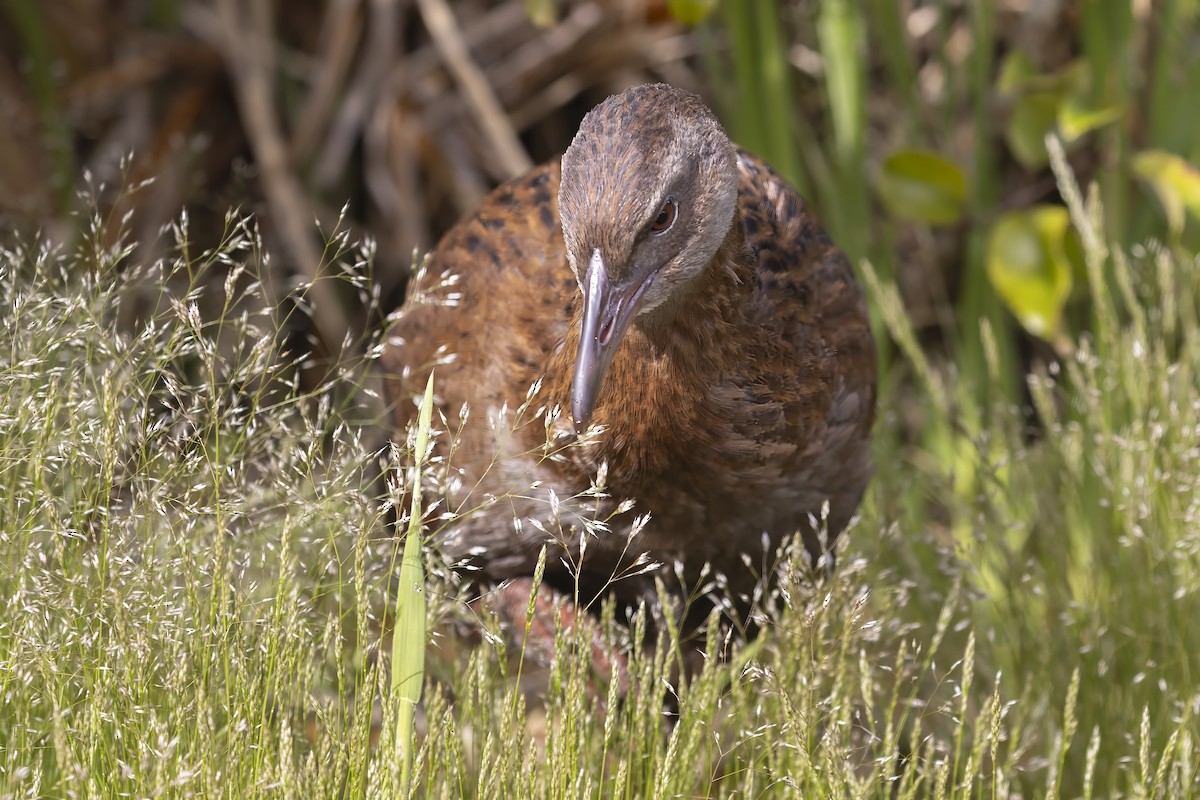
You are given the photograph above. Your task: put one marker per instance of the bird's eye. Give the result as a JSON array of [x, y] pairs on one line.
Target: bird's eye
[[666, 217]]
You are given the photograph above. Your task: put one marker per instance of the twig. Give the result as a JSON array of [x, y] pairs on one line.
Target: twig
[[541, 55], [655, 48], [392, 178], [340, 31], [246, 44], [504, 23], [481, 100], [364, 94]]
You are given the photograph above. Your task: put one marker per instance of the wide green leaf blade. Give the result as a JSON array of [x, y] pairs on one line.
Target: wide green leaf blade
[[1174, 181], [1029, 258], [1034, 115], [1077, 118], [408, 637], [691, 12], [923, 187]]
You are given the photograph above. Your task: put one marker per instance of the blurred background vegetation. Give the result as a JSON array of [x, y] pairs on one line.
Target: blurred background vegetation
[[1037, 435], [916, 128]]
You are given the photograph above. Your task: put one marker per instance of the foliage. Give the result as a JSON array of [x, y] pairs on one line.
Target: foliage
[[186, 532], [1029, 263], [949, 117], [922, 187]]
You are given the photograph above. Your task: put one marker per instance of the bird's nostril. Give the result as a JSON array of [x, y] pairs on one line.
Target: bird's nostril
[[606, 331]]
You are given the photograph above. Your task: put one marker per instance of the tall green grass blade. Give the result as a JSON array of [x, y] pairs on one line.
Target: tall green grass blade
[[977, 299], [841, 32], [1173, 124], [778, 112], [746, 118], [761, 119], [888, 34], [408, 637], [1108, 32]]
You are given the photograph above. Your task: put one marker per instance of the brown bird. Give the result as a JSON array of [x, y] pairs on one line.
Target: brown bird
[[676, 292]]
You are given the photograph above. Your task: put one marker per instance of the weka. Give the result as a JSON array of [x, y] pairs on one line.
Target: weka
[[676, 292]]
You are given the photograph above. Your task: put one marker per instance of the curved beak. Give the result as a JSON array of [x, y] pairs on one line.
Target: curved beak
[[607, 311]]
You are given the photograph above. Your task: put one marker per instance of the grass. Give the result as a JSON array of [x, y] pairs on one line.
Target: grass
[[195, 569]]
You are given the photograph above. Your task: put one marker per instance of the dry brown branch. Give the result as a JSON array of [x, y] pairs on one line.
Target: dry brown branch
[[242, 34], [661, 49], [340, 31], [393, 179], [512, 159], [364, 92], [542, 58], [504, 22]]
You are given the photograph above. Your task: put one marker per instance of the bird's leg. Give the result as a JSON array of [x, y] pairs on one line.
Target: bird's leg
[[536, 634]]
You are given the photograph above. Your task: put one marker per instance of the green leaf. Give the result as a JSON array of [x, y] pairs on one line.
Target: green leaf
[[1174, 180], [1045, 102], [1034, 114], [408, 637], [1077, 118], [923, 187], [1016, 73], [690, 12], [541, 12], [1029, 263]]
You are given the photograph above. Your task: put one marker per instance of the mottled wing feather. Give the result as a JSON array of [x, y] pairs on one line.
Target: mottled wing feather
[[516, 293], [806, 290]]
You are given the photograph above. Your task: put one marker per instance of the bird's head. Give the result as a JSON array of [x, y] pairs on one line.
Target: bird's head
[[647, 196]]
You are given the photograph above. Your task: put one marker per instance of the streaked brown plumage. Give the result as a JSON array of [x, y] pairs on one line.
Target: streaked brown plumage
[[727, 355]]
